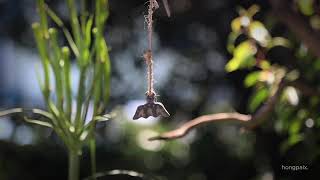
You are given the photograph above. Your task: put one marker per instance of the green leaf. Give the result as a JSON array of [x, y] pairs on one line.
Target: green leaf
[[258, 32], [258, 98], [315, 22], [306, 7], [264, 64], [10, 111], [231, 41], [43, 18], [243, 57], [291, 141], [106, 77], [253, 10], [67, 34], [88, 31], [102, 118], [295, 126], [236, 25], [43, 113], [43, 52], [75, 26], [279, 41], [56, 66], [38, 122], [252, 78]]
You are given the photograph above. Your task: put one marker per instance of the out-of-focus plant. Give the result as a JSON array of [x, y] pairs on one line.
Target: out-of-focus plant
[[87, 46], [250, 42], [90, 51], [251, 52]]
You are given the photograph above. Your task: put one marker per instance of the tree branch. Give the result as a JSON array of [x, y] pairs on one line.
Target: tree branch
[[297, 24], [185, 128], [246, 121]]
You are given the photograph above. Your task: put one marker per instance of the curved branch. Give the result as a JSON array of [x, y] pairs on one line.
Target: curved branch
[[247, 121], [185, 128]]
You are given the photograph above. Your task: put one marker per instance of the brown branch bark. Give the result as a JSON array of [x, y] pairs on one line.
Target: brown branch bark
[[185, 128], [246, 121], [297, 24]]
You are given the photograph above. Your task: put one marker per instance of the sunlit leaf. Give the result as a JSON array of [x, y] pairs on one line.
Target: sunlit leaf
[[315, 22], [253, 10], [279, 41], [306, 7], [267, 76], [258, 98], [231, 41], [243, 56], [258, 32], [252, 78], [88, 31], [10, 111], [102, 118], [38, 122], [239, 22], [43, 113], [264, 64], [292, 95], [295, 126], [236, 25]]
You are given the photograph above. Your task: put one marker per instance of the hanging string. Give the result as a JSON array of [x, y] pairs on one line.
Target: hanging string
[[153, 5], [149, 61], [152, 107]]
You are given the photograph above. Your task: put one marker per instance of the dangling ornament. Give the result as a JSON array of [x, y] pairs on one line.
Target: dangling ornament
[[152, 107]]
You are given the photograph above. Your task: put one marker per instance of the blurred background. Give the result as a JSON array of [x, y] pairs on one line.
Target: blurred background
[[190, 77]]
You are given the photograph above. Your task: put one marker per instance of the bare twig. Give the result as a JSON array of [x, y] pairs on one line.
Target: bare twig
[[246, 121], [185, 128]]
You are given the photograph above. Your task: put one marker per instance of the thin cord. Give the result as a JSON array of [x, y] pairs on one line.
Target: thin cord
[[148, 54], [149, 62]]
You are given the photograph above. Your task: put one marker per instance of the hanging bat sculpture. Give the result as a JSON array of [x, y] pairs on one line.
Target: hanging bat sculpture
[[151, 108]]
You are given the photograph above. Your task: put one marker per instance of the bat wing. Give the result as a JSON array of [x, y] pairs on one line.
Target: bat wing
[[140, 112], [161, 110], [151, 109]]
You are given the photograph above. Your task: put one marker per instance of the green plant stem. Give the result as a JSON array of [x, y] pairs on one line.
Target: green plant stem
[[74, 165], [92, 144], [80, 97]]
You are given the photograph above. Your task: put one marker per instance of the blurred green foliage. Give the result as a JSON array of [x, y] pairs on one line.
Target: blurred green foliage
[[90, 51], [252, 53]]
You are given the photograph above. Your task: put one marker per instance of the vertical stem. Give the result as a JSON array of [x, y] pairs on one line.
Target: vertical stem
[[74, 162], [80, 98], [93, 156]]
